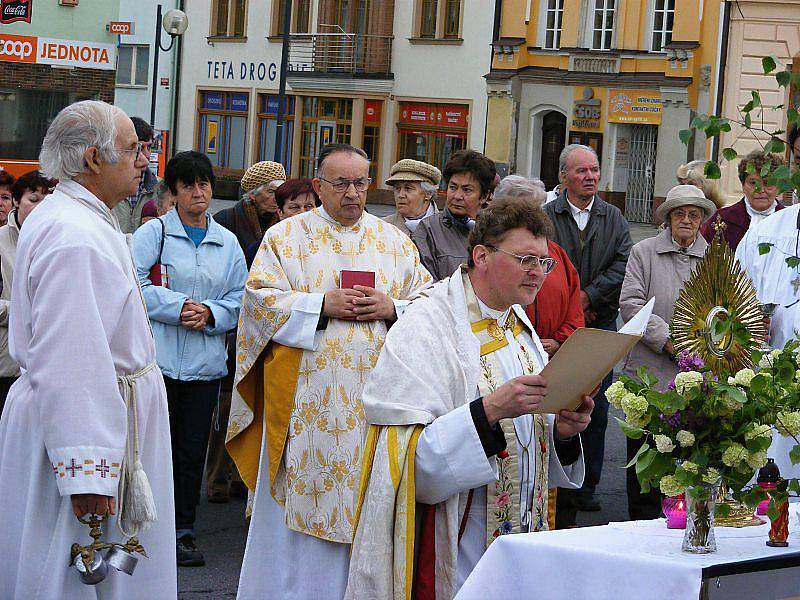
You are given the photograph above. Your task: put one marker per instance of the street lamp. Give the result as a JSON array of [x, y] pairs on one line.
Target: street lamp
[[174, 23]]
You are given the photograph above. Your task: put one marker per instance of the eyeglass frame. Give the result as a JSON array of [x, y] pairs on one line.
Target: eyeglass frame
[[347, 183], [137, 151], [549, 260]]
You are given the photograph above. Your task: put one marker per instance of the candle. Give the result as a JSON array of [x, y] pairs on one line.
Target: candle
[[675, 510]]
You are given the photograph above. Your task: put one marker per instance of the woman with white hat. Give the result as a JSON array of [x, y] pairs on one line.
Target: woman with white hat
[[415, 185], [658, 267]]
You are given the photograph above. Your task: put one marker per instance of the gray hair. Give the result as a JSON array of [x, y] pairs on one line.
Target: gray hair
[[429, 188], [78, 127], [569, 149], [162, 192], [517, 186]]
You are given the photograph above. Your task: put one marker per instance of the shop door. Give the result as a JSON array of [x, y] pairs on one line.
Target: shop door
[[588, 138], [554, 130], [641, 174]]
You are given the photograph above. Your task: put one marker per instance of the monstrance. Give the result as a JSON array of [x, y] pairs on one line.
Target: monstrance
[[716, 306]]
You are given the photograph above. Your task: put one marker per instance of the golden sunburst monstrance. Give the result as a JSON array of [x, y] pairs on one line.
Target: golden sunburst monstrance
[[717, 291]]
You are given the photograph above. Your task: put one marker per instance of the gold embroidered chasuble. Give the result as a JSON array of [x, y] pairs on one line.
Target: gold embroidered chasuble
[[510, 507], [313, 417]]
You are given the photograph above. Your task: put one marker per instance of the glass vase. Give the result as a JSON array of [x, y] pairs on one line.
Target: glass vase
[[699, 535]]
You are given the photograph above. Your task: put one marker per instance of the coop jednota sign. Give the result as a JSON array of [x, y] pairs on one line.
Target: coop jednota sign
[[64, 53]]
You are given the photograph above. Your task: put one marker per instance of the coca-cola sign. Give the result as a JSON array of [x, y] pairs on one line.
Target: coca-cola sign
[[16, 10]]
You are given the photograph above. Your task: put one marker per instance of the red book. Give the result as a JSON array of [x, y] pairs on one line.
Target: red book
[[349, 279]]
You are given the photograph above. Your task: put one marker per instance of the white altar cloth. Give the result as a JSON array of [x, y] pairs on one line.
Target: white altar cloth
[[636, 559]]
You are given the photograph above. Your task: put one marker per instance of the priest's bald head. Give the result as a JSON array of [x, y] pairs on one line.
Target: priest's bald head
[[342, 181], [94, 144], [508, 253]]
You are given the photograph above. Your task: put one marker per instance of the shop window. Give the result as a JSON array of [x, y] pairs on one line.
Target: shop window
[[553, 11], [26, 115], [439, 19], [324, 121], [133, 66], [663, 19], [228, 18], [268, 128], [431, 132], [301, 17], [223, 128], [372, 136], [602, 24]]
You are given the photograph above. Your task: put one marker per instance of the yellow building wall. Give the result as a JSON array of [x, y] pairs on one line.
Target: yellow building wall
[[500, 118]]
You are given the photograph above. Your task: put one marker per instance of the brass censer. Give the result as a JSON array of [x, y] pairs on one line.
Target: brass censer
[[92, 567]]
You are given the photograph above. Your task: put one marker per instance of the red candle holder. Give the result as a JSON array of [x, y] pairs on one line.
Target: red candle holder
[[674, 508], [763, 506], [779, 531]]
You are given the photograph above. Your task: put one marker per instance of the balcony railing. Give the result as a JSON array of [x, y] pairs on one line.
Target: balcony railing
[[341, 54]]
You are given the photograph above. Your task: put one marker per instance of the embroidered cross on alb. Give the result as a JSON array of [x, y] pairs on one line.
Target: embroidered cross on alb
[[103, 468], [73, 466]]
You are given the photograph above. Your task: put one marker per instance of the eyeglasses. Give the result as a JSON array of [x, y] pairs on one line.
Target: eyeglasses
[[694, 215], [136, 151], [342, 185], [529, 262]]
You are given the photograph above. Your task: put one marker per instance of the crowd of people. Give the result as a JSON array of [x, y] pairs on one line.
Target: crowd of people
[[369, 385]]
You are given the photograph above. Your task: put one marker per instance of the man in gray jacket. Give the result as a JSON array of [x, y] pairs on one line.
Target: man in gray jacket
[[129, 211], [597, 240]]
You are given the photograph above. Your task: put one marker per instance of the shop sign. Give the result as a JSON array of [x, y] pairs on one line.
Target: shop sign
[[46, 51], [241, 71], [121, 27], [372, 112], [587, 111], [634, 106], [439, 115], [15, 10]]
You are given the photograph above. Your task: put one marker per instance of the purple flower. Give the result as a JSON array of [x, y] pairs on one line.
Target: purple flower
[[673, 420], [689, 361]]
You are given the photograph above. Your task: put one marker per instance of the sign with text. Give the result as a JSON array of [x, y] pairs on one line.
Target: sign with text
[[121, 27], [13, 11], [64, 53], [438, 115], [634, 106]]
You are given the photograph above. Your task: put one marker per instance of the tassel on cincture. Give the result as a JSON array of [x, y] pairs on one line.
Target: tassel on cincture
[[139, 504]]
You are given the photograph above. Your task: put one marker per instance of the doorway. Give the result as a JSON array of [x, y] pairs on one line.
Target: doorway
[[554, 131], [641, 174]]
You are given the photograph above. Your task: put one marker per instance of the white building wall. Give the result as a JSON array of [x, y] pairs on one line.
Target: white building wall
[[135, 101]]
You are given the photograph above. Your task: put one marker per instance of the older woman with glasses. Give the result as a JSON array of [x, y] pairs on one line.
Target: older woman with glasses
[[657, 268]]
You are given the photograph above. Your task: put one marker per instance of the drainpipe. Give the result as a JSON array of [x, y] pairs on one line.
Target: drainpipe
[[177, 92], [722, 61]]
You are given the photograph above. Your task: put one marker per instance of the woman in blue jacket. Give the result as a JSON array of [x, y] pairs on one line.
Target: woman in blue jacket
[[192, 273]]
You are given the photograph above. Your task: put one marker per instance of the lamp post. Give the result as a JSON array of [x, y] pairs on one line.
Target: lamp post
[[281, 120], [174, 23]]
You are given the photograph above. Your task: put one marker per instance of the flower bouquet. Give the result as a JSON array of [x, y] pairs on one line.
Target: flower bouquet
[[701, 430]]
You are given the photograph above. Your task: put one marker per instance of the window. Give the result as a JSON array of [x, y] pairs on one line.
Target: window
[[439, 19], [663, 18], [301, 17], [268, 127], [26, 115], [602, 24], [228, 18], [223, 128], [372, 136], [554, 12], [133, 66], [325, 121], [431, 132]]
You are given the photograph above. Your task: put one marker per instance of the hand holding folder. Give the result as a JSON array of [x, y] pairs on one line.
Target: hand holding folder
[[585, 358]]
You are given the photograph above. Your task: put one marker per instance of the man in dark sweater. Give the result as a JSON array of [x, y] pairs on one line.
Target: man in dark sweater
[[596, 238]]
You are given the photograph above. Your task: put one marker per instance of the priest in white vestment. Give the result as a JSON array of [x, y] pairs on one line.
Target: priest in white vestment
[[776, 283], [89, 410], [309, 333], [454, 457]]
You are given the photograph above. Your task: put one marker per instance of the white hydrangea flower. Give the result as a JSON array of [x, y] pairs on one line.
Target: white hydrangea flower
[[734, 455], [615, 392], [691, 467], [684, 381], [664, 444], [788, 423], [711, 475], [670, 486], [758, 431], [744, 377], [685, 438]]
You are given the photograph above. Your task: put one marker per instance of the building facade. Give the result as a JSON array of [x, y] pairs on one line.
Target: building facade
[[622, 76], [51, 54], [136, 51], [756, 29], [373, 73]]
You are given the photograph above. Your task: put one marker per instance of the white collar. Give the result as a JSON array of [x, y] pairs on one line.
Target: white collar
[[575, 210], [764, 213], [79, 193], [490, 313], [412, 223]]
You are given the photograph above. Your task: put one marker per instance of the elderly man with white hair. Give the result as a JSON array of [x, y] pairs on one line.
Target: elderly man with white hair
[[85, 429]]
